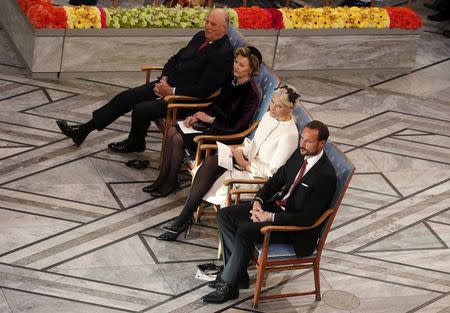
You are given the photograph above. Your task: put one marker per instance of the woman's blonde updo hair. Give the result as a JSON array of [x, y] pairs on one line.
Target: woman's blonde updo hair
[[286, 95], [254, 58]]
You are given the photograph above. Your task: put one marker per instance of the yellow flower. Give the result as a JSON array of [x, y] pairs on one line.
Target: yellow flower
[[80, 23]]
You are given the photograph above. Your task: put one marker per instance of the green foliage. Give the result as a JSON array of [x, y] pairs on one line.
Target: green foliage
[[157, 17]]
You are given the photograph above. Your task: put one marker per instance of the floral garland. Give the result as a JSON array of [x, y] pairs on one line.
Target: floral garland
[[42, 14]]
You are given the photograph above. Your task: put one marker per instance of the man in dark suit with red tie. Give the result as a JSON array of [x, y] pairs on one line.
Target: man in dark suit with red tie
[[297, 194], [197, 70]]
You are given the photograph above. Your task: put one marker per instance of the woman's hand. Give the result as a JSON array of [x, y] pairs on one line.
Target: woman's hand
[[202, 116], [188, 121], [238, 156]]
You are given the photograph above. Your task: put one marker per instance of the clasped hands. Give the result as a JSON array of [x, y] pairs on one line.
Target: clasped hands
[[199, 116], [258, 214], [162, 88]]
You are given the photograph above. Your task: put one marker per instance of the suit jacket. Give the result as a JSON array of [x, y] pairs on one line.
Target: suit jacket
[[307, 202], [199, 73]]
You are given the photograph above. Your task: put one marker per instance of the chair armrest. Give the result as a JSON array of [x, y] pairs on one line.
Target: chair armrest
[[242, 134], [187, 105], [238, 192], [255, 181], [173, 98], [151, 68], [148, 71], [267, 229]]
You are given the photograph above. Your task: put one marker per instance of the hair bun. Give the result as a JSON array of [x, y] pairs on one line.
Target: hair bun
[[256, 53]]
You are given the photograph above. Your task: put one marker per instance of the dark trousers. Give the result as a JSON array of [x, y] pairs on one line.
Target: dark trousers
[[238, 234], [144, 105]]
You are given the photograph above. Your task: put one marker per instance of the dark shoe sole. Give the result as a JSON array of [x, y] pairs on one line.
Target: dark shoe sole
[[220, 301], [126, 151]]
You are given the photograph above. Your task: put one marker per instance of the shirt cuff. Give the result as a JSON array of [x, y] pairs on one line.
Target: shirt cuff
[[173, 90], [258, 199], [272, 217]]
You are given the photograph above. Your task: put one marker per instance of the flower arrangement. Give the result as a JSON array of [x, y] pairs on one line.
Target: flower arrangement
[[340, 17], [277, 18], [83, 17], [404, 18], [43, 14], [157, 17], [254, 17]]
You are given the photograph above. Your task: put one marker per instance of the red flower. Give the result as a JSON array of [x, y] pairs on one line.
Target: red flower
[[59, 18], [277, 18], [102, 17], [254, 17], [402, 17]]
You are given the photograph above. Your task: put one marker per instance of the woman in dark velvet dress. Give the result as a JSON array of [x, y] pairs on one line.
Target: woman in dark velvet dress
[[232, 113]]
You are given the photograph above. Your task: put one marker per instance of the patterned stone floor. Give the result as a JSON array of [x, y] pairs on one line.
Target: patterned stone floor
[[78, 235]]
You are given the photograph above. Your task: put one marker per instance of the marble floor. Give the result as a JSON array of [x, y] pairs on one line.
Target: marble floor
[[78, 235]]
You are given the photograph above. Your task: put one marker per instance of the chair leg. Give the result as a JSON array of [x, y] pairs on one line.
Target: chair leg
[[199, 212], [258, 285], [317, 281], [219, 249]]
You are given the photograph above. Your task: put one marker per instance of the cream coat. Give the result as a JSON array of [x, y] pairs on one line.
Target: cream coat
[[272, 145]]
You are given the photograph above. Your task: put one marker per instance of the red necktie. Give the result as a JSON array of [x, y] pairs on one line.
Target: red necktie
[[203, 45], [296, 182]]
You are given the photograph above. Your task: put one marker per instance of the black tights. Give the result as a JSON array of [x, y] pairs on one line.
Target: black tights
[[206, 175], [173, 158]]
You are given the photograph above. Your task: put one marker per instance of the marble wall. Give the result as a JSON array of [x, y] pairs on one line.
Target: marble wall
[[345, 52]]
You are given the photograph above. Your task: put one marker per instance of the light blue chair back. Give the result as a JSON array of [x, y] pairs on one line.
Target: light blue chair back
[[344, 171]]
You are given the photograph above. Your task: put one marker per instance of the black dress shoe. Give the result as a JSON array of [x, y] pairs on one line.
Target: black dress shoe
[[126, 147], [175, 225], [167, 236], [73, 132], [156, 193], [224, 293], [175, 229], [439, 17], [149, 188], [446, 33], [243, 283], [216, 283]]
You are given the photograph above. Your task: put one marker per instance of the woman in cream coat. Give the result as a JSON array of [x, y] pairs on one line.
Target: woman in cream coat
[[276, 138]]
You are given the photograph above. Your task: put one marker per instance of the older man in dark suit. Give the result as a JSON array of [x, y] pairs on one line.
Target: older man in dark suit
[[297, 194], [196, 70]]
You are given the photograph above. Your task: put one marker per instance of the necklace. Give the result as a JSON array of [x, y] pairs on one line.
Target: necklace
[[235, 83]]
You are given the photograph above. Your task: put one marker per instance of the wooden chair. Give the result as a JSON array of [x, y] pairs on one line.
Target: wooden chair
[[175, 103], [280, 257]]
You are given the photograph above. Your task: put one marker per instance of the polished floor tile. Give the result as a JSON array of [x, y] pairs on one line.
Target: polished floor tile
[[77, 234]]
